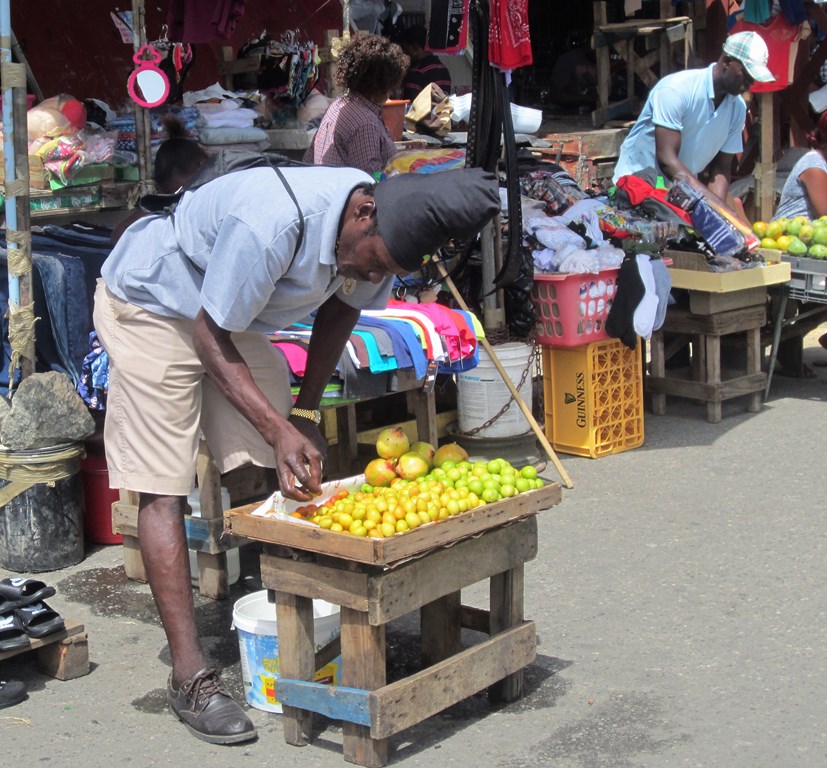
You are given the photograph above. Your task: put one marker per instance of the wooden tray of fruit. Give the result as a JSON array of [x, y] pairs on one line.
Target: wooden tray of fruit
[[398, 517]]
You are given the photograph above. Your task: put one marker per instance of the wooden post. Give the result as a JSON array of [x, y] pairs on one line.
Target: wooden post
[[142, 122], [18, 223], [765, 167], [604, 72]]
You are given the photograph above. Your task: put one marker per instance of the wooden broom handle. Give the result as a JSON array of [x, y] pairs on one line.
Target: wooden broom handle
[[507, 380]]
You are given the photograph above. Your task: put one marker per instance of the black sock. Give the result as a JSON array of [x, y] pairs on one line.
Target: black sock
[[628, 293]]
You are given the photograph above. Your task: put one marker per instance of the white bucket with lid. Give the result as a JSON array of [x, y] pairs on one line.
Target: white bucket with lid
[[255, 620], [481, 392]]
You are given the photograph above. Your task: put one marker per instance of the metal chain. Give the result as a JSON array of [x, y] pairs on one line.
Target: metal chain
[[533, 357]]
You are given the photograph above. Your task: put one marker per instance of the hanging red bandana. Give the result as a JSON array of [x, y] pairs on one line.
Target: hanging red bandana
[[509, 42]]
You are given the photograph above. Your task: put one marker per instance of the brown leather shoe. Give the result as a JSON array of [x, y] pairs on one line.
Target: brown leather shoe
[[209, 712]]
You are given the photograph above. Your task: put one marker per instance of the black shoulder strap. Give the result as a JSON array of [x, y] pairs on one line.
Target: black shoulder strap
[[298, 209]]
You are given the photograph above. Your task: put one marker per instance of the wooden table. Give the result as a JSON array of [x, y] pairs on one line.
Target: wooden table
[[377, 581], [705, 381]]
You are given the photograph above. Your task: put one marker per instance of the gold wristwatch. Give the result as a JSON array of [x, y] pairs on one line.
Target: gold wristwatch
[[306, 413]]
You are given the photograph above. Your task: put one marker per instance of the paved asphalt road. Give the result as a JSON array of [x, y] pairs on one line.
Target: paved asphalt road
[[679, 595]]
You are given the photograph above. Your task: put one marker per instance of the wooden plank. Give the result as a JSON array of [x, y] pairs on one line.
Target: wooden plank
[[241, 522], [705, 303], [476, 619], [415, 698], [469, 523], [294, 616], [363, 667], [506, 592], [316, 581], [699, 390], [440, 628], [125, 518], [414, 584], [718, 324], [213, 575], [337, 702], [71, 629], [409, 427], [65, 659], [423, 406], [133, 561]]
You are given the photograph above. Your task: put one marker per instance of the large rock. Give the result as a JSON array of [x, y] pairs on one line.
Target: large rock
[[45, 411], [5, 407]]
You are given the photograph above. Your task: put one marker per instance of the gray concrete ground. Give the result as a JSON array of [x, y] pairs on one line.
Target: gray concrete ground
[[680, 604]]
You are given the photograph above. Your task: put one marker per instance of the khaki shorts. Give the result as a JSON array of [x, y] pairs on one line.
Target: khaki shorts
[[160, 400]]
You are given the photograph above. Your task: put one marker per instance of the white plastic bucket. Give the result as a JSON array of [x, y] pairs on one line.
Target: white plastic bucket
[[481, 392], [255, 620]]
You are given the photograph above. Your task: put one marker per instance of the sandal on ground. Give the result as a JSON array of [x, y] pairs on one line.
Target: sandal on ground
[[39, 620], [12, 635], [11, 693], [16, 592]]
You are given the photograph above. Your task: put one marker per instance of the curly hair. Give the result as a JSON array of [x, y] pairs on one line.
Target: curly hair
[[371, 65]]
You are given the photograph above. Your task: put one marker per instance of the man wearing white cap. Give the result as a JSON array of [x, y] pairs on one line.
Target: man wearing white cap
[[693, 120]]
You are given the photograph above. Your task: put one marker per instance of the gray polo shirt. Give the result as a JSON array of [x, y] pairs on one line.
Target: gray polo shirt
[[230, 247]]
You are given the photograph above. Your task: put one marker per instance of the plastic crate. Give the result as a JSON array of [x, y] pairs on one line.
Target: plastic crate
[[572, 308], [593, 398], [808, 281]]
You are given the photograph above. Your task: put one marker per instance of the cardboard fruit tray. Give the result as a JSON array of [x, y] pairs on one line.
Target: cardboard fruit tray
[[270, 522], [689, 271]]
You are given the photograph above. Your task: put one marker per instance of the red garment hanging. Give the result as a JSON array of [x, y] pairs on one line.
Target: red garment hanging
[[782, 39], [509, 41]]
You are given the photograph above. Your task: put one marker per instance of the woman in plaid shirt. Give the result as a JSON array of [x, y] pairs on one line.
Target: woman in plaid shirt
[[352, 132]]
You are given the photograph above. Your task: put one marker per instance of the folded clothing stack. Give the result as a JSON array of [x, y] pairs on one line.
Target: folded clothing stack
[[24, 615]]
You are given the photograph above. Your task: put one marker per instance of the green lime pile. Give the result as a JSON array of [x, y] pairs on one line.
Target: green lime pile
[[797, 236]]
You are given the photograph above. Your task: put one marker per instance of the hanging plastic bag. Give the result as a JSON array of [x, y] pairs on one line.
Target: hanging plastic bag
[[430, 113]]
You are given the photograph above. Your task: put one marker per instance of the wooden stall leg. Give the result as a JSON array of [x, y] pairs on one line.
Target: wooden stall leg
[[657, 369], [294, 617], [213, 575], [440, 628], [66, 659], [507, 598], [363, 666], [712, 366], [133, 563], [423, 406], [754, 399], [347, 438]]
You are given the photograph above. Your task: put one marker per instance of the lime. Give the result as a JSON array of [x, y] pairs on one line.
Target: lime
[[528, 472]]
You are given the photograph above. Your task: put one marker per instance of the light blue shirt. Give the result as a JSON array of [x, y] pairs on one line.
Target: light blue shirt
[[230, 247], [685, 102]]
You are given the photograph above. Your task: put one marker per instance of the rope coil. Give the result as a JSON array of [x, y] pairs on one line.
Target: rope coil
[[23, 470]]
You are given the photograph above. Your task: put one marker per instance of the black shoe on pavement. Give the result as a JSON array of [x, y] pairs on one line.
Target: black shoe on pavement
[[11, 693], [209, 712]]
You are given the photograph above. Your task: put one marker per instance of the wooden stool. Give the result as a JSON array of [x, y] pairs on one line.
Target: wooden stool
[[706, 383], [371, 596]]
